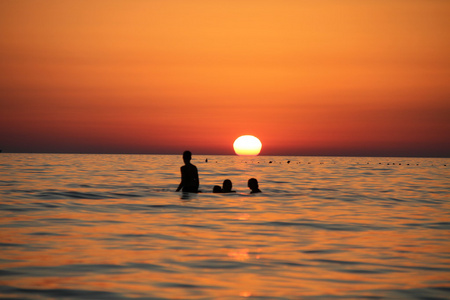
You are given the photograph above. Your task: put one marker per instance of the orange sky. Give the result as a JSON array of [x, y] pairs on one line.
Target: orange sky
[[306, 77]]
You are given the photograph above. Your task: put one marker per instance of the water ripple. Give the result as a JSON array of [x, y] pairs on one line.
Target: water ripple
[[112, 227]]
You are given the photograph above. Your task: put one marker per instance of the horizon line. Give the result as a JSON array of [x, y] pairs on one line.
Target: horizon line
[[249, 156]]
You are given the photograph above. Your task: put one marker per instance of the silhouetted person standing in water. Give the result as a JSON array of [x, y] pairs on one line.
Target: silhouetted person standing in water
[[189, 175], [253, 185]]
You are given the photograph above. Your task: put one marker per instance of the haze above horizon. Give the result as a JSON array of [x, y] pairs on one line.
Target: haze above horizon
[[347, 78]]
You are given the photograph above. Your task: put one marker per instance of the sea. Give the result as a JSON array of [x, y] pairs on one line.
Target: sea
[[91, 226]]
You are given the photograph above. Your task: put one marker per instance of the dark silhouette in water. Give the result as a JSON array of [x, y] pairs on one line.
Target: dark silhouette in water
[[217, 189], [227, 186], [189, 175], [253, 185]]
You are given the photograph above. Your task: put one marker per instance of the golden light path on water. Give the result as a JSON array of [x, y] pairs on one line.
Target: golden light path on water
[[89, 226]]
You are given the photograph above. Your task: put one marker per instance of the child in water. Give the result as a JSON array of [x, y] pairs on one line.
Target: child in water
[[217, 189], [253, 185], [227, 186], [189, 175]]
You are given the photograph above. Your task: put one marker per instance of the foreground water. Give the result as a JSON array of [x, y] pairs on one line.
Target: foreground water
[[112, 227]]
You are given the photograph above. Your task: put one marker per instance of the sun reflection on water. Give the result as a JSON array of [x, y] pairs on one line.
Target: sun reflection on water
[[317, 230], [245, 294]]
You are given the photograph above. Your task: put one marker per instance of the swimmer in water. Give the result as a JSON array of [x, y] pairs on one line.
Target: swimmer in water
[[227, 186], [253, 185], [217, 189]]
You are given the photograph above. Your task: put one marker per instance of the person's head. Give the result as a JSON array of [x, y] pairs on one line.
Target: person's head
[[217, 189], [187, 156], [253, 184], [227, 185]]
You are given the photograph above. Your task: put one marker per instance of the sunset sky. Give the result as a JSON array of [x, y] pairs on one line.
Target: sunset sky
[[346, 77]]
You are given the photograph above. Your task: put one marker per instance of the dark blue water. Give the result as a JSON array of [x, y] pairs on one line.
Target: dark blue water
[[112, 227]]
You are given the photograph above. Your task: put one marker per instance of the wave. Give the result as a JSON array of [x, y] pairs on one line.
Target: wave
[[321, 225]]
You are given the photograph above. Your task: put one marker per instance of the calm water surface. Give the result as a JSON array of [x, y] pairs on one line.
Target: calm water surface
[[112, 227]]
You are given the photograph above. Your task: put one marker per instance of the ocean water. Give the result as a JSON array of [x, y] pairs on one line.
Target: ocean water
[[113, 227]]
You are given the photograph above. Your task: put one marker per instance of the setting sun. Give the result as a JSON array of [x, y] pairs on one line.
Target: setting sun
[[247, 145]]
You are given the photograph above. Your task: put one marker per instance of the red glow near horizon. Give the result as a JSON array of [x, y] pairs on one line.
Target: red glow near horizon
[[351, 78]]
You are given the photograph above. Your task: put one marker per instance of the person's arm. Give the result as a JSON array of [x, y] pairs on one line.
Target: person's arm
[[181, 183], [196, 175]]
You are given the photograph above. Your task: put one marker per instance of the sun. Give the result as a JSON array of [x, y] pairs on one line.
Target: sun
[[247, 145]]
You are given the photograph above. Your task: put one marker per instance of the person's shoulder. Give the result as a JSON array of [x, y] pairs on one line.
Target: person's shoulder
[[189, 167]]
